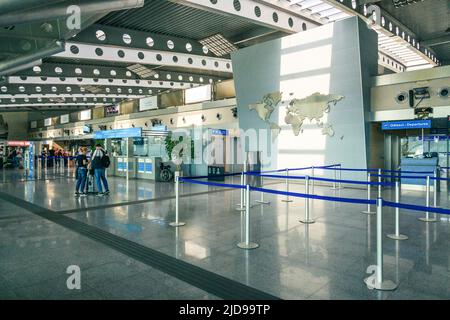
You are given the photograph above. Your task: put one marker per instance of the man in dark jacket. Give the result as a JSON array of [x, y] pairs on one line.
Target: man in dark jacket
[[99, 170]]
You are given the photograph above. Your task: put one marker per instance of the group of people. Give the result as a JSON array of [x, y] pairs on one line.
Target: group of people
[[95, 165], [14, 158], [54, 156]]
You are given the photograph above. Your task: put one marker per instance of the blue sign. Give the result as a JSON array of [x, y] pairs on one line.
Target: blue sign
[[434, 138], [408, 124], [31, 158], [219, 132], [141, 167], [118, 133], [159, 127]]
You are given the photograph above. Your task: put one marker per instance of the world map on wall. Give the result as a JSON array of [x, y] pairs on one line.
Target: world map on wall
[[313, 107]]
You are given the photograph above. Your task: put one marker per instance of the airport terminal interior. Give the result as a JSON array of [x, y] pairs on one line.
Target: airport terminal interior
[[225, 150]]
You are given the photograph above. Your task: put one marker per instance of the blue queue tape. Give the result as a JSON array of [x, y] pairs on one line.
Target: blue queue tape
[[274, 176], [353, 181], [215, 176], [415, 207], [313, 196], [326, 198], [214, 184], [299, 169]]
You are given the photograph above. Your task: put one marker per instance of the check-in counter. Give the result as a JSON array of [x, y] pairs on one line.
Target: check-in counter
[[139, 167], [145, 168], [121, 164], [418, 165]]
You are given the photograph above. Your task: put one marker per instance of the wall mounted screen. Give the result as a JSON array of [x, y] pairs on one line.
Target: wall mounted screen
[[149, 103], [85, 115], [198, 94], [48, 122], [111, 110], [64, 119]]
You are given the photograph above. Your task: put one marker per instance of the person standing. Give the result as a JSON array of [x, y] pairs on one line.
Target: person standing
[[81, 173], [98, 163]]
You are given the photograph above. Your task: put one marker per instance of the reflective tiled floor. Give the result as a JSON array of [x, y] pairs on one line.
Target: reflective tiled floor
[[324, 260]]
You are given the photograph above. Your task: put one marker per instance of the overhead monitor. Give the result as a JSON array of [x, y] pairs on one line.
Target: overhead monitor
[[148, 103], [85, 115], [64, 119], [197, 94]]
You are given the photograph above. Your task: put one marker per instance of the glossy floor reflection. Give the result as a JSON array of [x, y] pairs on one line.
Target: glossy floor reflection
[[324, 260]]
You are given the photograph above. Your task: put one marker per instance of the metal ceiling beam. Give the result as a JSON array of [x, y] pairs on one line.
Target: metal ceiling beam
[[23, 67], [114, 54], [103, 82], [6, 66], [437, 41], [388, 26], [7, 6], [113, 36], [75, 89], [257, 12], [53, 105], [68, 96], [88, 71], [60, 10]]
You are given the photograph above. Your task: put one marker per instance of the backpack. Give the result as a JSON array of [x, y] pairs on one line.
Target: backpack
[[105, 161]]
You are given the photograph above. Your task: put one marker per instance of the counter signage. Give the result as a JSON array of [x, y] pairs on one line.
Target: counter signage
[[409, 124], [118, 133], [219, 132], [434, 138], [18, 143]]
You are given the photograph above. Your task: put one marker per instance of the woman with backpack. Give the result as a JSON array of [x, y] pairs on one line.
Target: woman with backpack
[[99, 163]]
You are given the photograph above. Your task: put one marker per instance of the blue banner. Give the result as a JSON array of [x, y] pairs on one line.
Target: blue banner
[[118, 133], [408, 124]]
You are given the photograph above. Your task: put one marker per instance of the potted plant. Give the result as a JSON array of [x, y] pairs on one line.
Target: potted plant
[[176, 149]]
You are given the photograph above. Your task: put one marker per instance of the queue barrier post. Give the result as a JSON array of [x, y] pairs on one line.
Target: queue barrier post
[[397, 235], [262, 201], [307, 219], [241, 204], [312, 174], [340, 177], [287, 187], [369, 188], [377, 281], [177, 222], [246, 244], [435, 191], [427, 200], [379, 183], [335, 178]]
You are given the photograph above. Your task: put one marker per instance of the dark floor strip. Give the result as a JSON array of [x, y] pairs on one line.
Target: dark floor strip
[[35, 179], [203, 279], [129, 203]]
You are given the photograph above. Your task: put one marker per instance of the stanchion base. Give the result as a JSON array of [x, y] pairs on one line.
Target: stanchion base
[[177, 224], [307, 221], [286, 200], [428, 219], [386, 285], [262, 202], [397, 237], [368, 212], [248, 246]]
